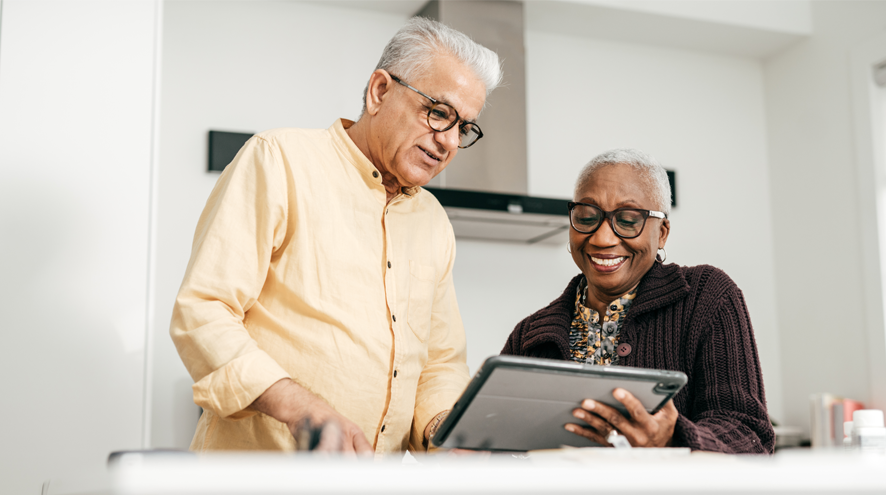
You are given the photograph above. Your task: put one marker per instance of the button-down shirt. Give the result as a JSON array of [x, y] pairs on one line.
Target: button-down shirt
[[301, 268]]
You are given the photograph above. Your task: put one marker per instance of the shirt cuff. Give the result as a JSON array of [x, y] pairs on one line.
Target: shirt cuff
[[229, 390]]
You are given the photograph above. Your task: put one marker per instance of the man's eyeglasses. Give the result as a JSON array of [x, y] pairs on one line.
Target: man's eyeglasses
[[627, 223], [441, 118]]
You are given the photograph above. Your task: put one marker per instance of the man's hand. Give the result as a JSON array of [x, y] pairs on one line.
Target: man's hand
[[641, 429], [290, 403]]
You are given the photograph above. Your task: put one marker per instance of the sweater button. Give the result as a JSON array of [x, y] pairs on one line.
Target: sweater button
[[623, 350]]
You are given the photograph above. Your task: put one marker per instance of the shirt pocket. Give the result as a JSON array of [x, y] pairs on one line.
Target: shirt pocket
[[421, 299]]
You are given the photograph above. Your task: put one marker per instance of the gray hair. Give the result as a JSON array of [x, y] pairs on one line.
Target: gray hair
[[411, 52], [652, 174]]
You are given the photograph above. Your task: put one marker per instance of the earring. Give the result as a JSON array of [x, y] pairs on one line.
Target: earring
[[659, 257], [569, 248]]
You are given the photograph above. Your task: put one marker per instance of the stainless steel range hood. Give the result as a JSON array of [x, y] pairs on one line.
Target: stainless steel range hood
[[504, 217], [485, 190]]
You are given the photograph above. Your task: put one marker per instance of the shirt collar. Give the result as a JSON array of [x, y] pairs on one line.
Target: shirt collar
[[338, 130], [582, 290]]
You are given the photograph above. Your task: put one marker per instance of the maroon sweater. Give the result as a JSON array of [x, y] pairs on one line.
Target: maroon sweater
[[689, 319]]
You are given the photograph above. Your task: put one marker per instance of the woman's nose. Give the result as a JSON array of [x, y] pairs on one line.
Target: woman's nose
[[605, 236]]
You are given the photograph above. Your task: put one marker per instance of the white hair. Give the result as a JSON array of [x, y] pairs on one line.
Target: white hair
[[651, 173], [411, 53]]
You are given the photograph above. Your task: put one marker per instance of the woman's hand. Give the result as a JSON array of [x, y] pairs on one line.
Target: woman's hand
[[641, 429]]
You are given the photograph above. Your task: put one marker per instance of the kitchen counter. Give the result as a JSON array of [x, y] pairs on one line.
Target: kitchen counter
[[562, 471]]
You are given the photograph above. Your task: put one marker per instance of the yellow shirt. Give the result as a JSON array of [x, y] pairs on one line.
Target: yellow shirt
[[300, 269]]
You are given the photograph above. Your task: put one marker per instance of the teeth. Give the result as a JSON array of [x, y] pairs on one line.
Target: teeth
[[608, 261], [430, 155]]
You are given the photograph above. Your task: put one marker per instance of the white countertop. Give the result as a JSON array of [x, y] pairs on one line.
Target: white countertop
[[567, 471]]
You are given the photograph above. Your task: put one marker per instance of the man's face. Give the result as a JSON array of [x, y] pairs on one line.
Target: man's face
[[403, 144]]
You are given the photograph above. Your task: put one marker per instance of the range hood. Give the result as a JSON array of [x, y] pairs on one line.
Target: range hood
[[504, 217], [484, 190]]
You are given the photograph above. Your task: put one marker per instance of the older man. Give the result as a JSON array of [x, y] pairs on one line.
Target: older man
[[320, 283]]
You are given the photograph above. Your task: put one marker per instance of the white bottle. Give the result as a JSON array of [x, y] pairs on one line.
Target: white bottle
[[868, 433], [847, 435]]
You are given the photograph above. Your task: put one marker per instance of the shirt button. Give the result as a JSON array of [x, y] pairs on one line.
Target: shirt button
[[395, 373], [393, 317], [375, 174], [386, 212], [382, 428], [623, 350], [389, 264]]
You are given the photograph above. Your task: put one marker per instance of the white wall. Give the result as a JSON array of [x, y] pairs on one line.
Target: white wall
[[818, 253], [498, 284], [76, 86], [869, 129]]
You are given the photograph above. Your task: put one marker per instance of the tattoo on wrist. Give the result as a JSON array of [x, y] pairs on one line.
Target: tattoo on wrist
[[435, 423]]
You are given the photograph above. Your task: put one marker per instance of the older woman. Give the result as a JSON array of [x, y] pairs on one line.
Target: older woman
[[629, 308]]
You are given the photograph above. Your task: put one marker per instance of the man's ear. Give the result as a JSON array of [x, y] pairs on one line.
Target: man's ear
[[379, 85]]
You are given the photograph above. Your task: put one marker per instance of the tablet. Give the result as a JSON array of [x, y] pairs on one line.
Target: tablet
[[517, 403]]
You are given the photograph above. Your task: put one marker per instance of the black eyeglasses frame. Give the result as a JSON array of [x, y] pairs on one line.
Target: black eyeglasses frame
[[436, 102], [610, 215]]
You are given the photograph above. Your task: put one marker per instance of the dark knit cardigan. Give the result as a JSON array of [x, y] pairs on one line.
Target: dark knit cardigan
[[689, 319]]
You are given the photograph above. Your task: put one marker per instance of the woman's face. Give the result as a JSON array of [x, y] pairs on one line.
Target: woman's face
[[612, 265]]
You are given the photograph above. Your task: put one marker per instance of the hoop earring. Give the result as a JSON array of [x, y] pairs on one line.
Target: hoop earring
[[569, 248], [659, 257]]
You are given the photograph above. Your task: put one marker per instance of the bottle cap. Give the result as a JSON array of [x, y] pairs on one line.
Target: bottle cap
[[847, 428], [867, 418]]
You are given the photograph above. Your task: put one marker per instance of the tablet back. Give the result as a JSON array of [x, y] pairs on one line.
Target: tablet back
[[521, 409]]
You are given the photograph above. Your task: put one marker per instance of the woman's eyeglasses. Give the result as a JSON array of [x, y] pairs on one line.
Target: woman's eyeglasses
[[441, 118], [627, 223]]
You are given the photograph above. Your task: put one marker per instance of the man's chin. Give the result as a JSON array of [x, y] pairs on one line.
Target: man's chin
[[420, 180]]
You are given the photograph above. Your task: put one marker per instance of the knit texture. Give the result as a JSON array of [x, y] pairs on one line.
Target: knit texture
[[689, 319]]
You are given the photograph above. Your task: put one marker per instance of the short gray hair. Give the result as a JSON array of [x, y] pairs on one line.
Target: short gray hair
[[652, 174], [411, 52]]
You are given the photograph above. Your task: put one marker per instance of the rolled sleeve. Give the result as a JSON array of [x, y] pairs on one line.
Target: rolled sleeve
[[231, 389], [242, 225]]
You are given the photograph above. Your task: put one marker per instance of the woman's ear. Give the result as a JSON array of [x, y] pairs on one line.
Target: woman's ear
[[663, 232], [379, 85]]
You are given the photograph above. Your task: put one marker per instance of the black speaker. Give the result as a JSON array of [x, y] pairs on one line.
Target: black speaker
[[223, 147]]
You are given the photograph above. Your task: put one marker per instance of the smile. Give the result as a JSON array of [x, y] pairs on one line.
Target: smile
[[608, 261], [435, 157]]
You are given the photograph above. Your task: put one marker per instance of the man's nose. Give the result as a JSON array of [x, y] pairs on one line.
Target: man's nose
[[449, 139]]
